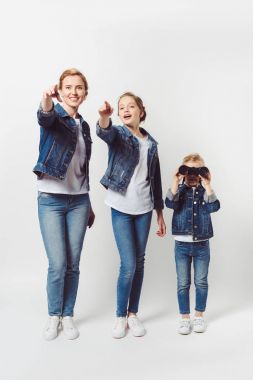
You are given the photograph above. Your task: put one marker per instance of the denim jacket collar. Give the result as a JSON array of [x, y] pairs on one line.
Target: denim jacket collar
[[143, 131], [63, 113]]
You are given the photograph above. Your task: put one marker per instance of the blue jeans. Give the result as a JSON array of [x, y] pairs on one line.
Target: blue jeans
[[63, 221], [185, 253], [131, 235]]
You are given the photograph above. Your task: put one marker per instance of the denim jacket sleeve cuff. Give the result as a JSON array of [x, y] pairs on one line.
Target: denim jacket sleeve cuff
[[172, 197], [105, 129], [46, 113], [210, 198]]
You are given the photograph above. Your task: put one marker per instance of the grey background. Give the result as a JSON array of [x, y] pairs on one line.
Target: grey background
[[191, 62]]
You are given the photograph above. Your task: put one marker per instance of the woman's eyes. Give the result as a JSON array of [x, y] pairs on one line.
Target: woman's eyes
[[77, 88]]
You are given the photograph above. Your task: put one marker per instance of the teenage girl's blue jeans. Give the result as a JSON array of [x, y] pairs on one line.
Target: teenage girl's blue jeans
[[63, 221], [185, 253], [131, 235]]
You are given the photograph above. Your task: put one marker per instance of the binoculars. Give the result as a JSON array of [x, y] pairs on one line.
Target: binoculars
[[186, 170]]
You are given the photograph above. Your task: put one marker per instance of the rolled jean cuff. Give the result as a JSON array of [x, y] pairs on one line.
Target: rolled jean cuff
[[184, 311]]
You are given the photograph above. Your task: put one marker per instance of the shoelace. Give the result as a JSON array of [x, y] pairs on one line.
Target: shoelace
[[134, 321], [119, 321], [53, 324], [68, 323], [198, 321], [184, 323]]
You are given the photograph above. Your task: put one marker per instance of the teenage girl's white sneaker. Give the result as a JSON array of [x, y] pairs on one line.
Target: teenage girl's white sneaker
[[184, 326], [119, 328], [69, 328], [51, 329], [199, 325], [136, 326]]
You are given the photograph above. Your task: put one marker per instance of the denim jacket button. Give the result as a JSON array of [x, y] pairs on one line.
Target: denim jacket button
[[195, 214], [195, 202], [203, 203]]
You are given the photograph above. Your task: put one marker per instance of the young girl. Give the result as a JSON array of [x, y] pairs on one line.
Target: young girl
[[192, 202], [133, 181], [63, 200]]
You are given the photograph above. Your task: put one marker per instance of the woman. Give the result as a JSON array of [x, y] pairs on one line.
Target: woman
[[133, 181], [63, 200]]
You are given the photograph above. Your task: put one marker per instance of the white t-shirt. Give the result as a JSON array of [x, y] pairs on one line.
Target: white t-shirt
[[137, 199], [75, 181]]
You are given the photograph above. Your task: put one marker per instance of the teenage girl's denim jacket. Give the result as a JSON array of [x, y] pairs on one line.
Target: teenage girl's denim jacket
[[192, 211], [124, 157], [58, 138]]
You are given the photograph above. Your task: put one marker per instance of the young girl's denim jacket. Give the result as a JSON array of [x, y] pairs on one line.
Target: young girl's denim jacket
[[192, 211], [58, 138], [123, 158]]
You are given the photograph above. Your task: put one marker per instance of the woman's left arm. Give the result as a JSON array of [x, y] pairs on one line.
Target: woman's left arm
[[161, 223]]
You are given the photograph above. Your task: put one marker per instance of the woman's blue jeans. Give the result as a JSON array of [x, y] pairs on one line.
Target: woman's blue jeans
[[185, 253], [131, 235], [63, 221]]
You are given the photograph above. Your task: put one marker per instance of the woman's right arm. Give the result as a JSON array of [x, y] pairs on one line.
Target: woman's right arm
[[46, 114], [105, 130]]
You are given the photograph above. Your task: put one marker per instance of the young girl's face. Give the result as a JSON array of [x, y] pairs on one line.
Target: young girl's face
[[193, 180], [72, 91], [129, 112]]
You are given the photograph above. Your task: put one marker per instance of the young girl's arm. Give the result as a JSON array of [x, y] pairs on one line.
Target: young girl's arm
[[212, 203], [105, 130], [172, 197]]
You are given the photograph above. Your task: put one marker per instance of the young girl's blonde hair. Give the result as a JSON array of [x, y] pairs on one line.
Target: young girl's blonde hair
[[193, 157]]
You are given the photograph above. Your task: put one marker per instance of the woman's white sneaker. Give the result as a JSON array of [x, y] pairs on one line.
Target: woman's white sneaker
[[51, 329], [184, 326], [136, 326], [119, 329], [199, 325], [69, 328]]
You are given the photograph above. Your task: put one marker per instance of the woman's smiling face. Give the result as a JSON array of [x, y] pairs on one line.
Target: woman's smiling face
[[73, 91]]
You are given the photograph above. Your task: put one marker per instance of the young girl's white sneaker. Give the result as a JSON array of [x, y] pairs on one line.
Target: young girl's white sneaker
[[69, 328], [136, 326], [184, 326], [199, 325], [119, 328], [51, 329]]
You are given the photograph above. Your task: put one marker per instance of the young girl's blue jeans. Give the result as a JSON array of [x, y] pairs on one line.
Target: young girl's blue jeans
[[185, 254], [63, 221], [131, 235]]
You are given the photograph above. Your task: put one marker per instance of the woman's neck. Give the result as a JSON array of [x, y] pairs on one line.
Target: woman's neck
[[72, 111]]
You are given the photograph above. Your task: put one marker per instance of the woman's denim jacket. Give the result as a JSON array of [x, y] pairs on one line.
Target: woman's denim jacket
[[124, 157], [192, 211], [58, 138]]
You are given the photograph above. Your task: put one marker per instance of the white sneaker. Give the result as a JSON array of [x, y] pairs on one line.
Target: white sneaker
[[184, 326], [119, 329], [136, 326], [199, 325], [51, 329], [69, 328]]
